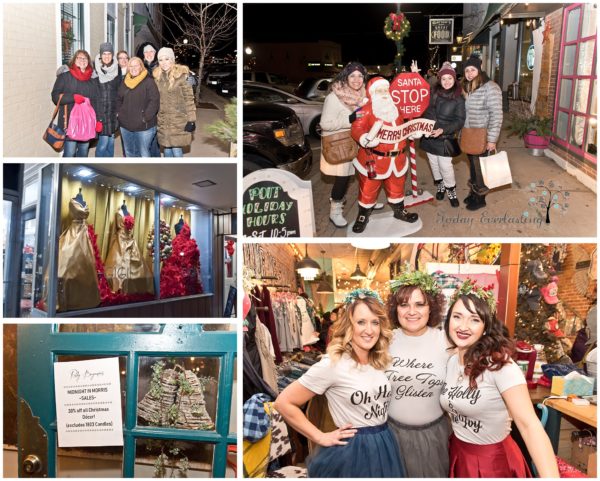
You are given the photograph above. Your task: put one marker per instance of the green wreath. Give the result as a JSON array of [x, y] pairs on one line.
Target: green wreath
[[397, 19]]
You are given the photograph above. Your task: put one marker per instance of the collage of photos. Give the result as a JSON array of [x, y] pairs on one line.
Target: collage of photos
[[399, 235]]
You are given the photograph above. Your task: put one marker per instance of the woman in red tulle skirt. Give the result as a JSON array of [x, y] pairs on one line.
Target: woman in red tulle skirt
[[485, 390]]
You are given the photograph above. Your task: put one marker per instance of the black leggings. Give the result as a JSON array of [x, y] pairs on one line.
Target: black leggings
[[340, 187], [475, 175]]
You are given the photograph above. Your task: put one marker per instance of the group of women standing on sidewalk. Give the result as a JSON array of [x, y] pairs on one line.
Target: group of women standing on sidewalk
[[477, 102], [149, 101], [412, 400]]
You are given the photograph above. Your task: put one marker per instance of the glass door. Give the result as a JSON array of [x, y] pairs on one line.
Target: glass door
[[28, 235], [177, 390]]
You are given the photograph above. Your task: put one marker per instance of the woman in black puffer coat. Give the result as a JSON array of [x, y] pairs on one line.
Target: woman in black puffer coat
[[76, 85], [447, 108], [107, 70]]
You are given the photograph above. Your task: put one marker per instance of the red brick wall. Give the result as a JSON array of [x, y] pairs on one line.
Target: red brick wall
[[567, 293]]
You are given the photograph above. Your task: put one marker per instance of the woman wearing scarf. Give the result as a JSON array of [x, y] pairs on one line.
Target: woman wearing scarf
[[76, 85], [177, 114], [347, 95], [138, 102], [109, 80]]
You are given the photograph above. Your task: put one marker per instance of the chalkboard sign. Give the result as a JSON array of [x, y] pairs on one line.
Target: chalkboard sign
[[230, 304], [277, 204]]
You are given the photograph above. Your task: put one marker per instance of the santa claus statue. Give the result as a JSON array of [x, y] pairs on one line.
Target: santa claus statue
[[381, 158]]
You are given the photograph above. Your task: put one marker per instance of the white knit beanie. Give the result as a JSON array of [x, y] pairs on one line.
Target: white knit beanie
[[166, 52]]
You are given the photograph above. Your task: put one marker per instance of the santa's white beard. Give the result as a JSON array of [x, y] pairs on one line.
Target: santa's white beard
[[384, 108]]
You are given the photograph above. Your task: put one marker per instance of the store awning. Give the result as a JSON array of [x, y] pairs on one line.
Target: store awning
[[481, 34]]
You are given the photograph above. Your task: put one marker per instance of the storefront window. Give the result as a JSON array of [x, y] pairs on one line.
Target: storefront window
[[102, 231], [575, 120], [44, 233], [526, 61]]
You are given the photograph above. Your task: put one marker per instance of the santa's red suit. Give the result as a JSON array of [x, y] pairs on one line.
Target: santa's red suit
[[390, 163]]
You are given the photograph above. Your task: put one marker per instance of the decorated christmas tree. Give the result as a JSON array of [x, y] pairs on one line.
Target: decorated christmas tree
[[537, 301], [165, 241]]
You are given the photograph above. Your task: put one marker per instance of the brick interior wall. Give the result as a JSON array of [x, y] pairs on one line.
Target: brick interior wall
[[275, 260], [568, 294]]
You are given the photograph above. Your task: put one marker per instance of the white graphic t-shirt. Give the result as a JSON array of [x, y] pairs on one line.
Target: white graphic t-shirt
[[417, 374], [357, 394], [479, 416]]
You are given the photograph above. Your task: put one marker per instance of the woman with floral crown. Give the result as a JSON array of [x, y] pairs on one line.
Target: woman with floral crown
[[419, 351], [484, 391], [352, 377]]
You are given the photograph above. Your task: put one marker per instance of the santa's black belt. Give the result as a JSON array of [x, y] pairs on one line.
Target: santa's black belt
[[392, 153]]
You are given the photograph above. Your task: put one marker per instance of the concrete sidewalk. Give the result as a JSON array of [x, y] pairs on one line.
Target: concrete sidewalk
[[508, 212], [203, 144]]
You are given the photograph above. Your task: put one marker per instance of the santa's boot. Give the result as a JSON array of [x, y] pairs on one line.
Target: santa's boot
[[452, 196], [336, 213], [440, 189], [402, 214], [362, 219]]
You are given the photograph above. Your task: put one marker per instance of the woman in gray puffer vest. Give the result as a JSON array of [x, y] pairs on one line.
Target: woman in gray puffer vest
[[484, 110]]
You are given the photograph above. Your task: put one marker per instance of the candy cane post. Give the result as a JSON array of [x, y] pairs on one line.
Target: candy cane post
[[411, 95]]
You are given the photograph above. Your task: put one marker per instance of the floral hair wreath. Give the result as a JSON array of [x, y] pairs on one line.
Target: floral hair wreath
[[358, 294], [426, 282], [484, 293]]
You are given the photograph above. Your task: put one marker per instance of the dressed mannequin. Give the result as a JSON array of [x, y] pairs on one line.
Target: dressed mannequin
[[179, 225], [180, 274], [79, 198], [126, 269], [77, 277]]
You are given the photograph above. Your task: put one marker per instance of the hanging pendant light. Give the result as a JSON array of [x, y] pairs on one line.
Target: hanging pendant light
[[307, 267], [357, 275], [324, 286]]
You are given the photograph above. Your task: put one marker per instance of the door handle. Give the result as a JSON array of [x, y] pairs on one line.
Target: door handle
[[32, 464]]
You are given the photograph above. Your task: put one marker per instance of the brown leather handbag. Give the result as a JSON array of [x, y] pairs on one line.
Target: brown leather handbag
[[473, 140], [339, 148]]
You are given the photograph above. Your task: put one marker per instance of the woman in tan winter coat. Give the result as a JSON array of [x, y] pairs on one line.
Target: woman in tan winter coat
[[177, 114]]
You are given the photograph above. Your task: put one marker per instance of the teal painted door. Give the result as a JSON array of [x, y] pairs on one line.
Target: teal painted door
[[149, 447]]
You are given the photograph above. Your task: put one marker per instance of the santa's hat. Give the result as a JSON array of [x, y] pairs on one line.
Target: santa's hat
[[375, 83]]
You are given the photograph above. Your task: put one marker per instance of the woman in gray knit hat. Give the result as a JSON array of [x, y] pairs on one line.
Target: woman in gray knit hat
[[484, 110]]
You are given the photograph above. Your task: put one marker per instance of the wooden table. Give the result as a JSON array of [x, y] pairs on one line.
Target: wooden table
[[557, 408]]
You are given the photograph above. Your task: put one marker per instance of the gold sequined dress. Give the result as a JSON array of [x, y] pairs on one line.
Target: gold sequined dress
[[77, 276], [125, 268]]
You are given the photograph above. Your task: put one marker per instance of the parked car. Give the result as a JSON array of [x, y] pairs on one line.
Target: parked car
[[273, 138], [228, 85], [313, 88], [264, 77], [309, 111], [214, 77]]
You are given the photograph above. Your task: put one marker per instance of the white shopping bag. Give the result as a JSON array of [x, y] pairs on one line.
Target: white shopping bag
[[496, 170]]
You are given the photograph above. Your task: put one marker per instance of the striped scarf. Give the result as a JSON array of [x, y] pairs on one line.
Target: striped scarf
[[348, 96]]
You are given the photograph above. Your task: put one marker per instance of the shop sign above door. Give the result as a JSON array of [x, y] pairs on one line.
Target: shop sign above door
[[88, 403], [277, 204]]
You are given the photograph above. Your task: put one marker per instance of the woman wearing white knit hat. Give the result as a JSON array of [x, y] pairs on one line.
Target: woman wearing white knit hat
[[177, 114]]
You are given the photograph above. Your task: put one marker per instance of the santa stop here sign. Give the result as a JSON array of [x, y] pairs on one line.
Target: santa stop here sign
[[410, 93]]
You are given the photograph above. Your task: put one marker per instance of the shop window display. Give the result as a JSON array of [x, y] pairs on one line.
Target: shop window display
[[105, 254]]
